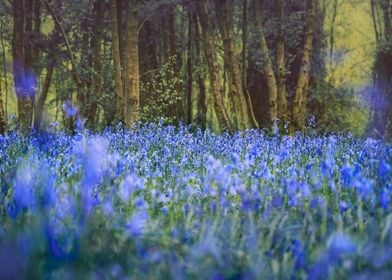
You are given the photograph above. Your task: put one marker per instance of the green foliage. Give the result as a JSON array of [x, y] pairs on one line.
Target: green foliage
[[160, 94], [337, 109]]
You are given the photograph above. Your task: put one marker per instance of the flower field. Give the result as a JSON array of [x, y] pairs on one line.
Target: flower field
[[170, 203]]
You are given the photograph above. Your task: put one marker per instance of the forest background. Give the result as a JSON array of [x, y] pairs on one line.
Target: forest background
[[222, 64]]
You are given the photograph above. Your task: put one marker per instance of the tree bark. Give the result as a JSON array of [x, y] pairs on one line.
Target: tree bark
[[96, 46], [190, 70], [267, 68], [132, 100], [251, 113], [201, 104], [332, 64], [225, 11], [24, 102], [281, 64], [213, 68], [118, 84], [39, 106], [2, 117], [300, 96], [5, 76], [78, 81]]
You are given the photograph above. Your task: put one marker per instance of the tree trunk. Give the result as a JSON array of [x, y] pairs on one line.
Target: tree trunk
[[132, 100], [96, 46], [281, 64], [118, 84], [201, 104], [24, 102], [300, 97], [251, 113], [36, 29], [213, 68], [78, 81], [267, 68], [5, 76], [189, 69], [332, 64], [225, 11], [42, 98], [2, 116]]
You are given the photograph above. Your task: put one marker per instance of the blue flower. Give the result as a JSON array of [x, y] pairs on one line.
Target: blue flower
[[340, 244], [385, 199], [277, 201], [346, 173], [137, 223], [384, 169], [23, 188], [343, 206]]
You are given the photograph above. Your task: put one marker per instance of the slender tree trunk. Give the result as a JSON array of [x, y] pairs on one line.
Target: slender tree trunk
[[201, 104], [225, 11], [332, 65], [386, 6], [5, 76], [300, 96], [267, 68], [96, 46], [251, 113], [78, 81], [118, 84], [31, 76], [24, 102], [281, 64], [2, 117], [190, 69], [174, 56], [37, 29], [132, 100], [213, 68], [39, 106]]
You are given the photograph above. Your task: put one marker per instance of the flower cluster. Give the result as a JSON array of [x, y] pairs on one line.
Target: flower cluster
[[166, 202]]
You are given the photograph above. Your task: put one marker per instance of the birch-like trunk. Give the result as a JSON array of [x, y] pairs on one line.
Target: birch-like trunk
[[118, 84], [213, 68], [132, 98], [300, 97], [267, 68]]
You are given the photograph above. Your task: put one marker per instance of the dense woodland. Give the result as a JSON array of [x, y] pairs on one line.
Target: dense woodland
[[219, 64]]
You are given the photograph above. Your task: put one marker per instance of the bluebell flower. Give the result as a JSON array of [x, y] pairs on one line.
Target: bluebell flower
[[298, 250], [364, 186], [12, 210], [340, 244], [317, 201], [384, 169], [23, 187], [277, 201], [346, 173], [385, 199], [137, 223], [343, 206]]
